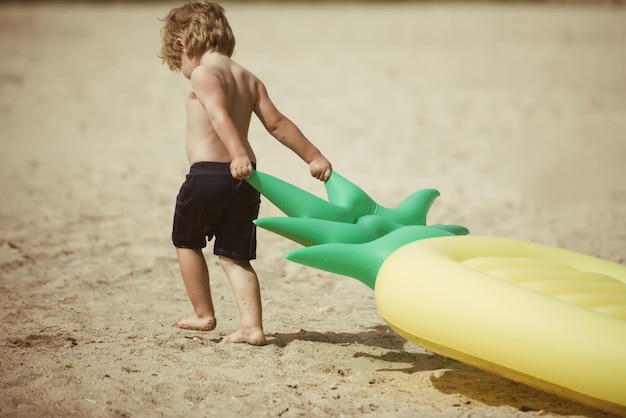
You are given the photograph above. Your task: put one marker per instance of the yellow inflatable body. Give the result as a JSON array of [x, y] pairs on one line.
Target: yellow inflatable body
[[547, 317]]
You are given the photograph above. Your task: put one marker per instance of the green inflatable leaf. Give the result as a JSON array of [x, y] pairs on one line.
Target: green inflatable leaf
[[307, 232], [346, 201], [362, 261], [294, 201], [412, 211]]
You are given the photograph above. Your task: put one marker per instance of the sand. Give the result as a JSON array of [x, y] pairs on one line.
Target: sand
[[515, 113]]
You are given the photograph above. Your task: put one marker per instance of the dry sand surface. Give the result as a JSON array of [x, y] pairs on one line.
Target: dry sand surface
[[516, 113]]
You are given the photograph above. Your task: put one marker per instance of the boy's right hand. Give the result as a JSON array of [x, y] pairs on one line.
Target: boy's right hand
[[320, 168]]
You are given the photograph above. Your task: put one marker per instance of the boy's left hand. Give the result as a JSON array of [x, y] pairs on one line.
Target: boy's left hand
[[241, 168]]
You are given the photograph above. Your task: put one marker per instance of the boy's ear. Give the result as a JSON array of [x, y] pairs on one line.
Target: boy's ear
[[180, 43]]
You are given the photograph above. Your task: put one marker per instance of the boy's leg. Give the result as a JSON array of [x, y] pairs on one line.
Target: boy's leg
[[245, 284], [195, 275]]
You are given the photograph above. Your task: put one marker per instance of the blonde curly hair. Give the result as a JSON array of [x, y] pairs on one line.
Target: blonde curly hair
[[202, 26]]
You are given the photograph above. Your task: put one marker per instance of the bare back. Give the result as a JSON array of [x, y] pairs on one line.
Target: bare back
[[239, 95], [220, 104]]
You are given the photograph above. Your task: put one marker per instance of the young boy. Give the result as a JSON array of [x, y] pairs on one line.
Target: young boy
[[215, 200]]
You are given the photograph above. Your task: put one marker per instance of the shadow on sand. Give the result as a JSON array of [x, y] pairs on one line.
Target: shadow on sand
[[452, 377]]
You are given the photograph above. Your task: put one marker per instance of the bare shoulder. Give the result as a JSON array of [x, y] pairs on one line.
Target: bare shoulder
[[245, 75], [206, 77]]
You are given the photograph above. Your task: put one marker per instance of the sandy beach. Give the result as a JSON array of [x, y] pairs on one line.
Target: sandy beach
[[515, 113]]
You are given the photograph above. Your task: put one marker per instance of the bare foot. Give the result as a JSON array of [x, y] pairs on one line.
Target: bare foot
[[193, 322], [252, 337]]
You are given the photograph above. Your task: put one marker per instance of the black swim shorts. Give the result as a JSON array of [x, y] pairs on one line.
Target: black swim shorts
[[211, 202]]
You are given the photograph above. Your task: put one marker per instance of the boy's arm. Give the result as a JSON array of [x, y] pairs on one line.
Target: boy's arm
[[209, 90], [288, 134]]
